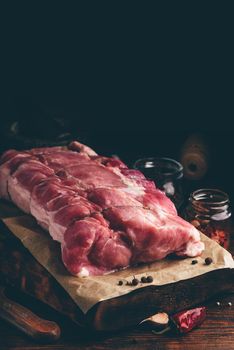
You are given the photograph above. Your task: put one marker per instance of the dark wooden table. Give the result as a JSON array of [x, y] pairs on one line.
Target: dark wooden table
[[217, 332]]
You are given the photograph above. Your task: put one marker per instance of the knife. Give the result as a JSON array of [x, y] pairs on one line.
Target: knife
[[22, 318]]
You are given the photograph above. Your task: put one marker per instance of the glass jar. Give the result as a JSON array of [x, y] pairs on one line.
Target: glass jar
[[167, 174], [209, 211]]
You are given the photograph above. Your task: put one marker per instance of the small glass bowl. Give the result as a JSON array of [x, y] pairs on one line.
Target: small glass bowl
[[167, 174]]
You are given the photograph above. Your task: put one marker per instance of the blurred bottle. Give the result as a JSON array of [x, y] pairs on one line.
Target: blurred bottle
[[195, 157]]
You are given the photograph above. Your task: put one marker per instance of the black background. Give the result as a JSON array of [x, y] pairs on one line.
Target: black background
[[129, 78]]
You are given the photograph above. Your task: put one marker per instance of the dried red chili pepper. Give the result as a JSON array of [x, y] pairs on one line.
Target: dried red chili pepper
[[185, 321]]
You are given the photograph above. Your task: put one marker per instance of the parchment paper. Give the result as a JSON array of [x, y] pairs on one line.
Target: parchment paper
[[88, 291]]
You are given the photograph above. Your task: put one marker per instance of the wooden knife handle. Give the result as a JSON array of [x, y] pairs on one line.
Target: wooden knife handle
[[25, 320]]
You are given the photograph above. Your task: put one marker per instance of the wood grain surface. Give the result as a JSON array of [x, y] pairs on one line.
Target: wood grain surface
[[217, 332]]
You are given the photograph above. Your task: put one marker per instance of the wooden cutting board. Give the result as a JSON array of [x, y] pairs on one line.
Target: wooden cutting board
[[19, 269]]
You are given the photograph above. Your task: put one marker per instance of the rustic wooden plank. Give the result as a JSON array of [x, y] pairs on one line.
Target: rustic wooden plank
[[131, 309], [217, 332], [19, 268]]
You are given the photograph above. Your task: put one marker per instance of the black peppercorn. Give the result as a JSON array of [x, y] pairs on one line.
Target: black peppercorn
[[135, 282], [149, 279], [194, 262], [120, 283], [144, 279], [208, 261]]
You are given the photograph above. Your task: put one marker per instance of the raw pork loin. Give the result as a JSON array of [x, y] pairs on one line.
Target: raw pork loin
[[105, 216]]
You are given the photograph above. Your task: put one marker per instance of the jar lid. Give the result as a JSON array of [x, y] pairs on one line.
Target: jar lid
[[210, 196], [209, 202]]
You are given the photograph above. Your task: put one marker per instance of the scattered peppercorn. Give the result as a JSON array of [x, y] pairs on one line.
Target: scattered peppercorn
[[120, 283], [229, 304], [144, 279], [128, 283], [208, 261], [217, 303], [194, 262], [149, 279], [135, 282]]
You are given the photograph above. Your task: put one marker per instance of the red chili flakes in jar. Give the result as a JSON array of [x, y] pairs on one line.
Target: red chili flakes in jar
[[209, 211]]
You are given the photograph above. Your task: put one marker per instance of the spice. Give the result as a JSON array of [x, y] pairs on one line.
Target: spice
[[229, 303], [194, 262], [135, 282], [220, 237], [185, 321], [195, 223], [149, 279], [218, 303], [209, 211], [144, 279], [158, 321], [208, 261], [120, 283]]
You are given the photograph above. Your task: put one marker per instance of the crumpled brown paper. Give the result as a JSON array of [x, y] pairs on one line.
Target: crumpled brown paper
[[88, 291]]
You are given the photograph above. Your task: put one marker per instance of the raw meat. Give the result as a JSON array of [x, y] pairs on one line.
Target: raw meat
[[79, 147], [9, 163], [91, 248], [24, 179], [105, 216]]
